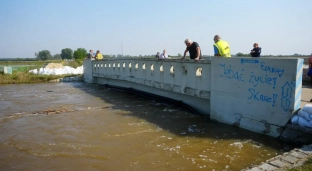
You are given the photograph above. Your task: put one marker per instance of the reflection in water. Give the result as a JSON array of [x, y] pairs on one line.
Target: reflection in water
[[104, 129]]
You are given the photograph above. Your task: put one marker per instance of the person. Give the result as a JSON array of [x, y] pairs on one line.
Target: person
[[221, 47], [310, 61], [164, 55], [310, 68], [256, 51], [193, 48], [98, 55], [157, 55], [90, 55]]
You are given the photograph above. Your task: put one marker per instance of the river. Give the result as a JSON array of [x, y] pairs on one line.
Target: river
[[77, 126]]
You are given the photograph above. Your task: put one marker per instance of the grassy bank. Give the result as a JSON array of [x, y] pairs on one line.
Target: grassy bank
[[24, 77], [21, 71]]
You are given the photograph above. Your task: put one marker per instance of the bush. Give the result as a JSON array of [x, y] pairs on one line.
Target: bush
[[74, 64]]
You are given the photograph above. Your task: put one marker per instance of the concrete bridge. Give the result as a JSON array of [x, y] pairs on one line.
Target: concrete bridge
[[260, 94]]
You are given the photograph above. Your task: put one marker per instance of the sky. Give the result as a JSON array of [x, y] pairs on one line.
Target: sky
[[144, 27]]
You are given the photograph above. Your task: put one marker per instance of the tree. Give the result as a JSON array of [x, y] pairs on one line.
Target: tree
[[57, 56], [80, 53], [179, 54], [44, 55], [106, 56], [241, 54], [67, 53]]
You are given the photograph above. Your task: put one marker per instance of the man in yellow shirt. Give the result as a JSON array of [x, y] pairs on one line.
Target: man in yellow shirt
[[98, 55], [221, 47]]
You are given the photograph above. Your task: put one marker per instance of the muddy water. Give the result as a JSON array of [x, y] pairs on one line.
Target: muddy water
[[73, 126]]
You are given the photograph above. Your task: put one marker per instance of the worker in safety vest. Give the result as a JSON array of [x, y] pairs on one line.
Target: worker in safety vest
[[221, 47]]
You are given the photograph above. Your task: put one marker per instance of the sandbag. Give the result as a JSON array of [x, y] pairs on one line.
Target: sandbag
[[307, 108], [303, 122], [305, 115], [310, 123], [294, 119]]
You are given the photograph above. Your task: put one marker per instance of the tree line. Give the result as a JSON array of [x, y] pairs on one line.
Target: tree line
[[66, 53]]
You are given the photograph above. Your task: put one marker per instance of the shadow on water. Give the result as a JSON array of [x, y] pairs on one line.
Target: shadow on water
[[176, 119]]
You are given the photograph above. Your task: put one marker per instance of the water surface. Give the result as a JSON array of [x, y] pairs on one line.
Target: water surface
[[74, 126]]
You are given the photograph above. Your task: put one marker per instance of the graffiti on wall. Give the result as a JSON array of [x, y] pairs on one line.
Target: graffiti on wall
[[269, 77]]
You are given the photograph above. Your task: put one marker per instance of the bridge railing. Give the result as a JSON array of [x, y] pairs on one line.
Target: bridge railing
[[187, 77]]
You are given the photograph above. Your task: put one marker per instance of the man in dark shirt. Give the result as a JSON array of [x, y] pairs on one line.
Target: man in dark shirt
[[256, 51], [90, 55], [157, 55], [193, 48]]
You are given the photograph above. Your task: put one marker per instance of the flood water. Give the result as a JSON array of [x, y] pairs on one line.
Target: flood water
[[75, 126]]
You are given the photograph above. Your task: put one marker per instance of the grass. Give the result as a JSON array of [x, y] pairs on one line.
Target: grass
[[307, 166], [25, 77], [41, 63], [20, 73]]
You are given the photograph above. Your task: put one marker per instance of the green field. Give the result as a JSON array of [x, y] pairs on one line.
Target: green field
[[19, 67], [20, 71]]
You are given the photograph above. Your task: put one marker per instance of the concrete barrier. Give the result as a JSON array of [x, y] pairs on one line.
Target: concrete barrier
[[87, 71], [256, 94]]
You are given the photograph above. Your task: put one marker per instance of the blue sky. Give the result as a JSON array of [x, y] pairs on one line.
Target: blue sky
[[147, 26]]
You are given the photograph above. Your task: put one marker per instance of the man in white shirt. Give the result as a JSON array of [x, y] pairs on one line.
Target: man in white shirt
[[164, 55]]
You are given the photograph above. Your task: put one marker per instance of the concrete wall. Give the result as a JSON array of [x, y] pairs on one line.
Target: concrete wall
[[87, 71], [256, 94]]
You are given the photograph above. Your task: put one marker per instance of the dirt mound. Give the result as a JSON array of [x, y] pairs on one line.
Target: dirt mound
[[54, 65]]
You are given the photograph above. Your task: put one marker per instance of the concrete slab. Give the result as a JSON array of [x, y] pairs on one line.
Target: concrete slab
[[279, 163], [255, 169], [267, 167], [298, 154], [290, 159]]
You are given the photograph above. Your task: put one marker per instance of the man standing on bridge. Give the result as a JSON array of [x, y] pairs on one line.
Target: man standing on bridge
[[221, 47], [193, 48], [256, 51]]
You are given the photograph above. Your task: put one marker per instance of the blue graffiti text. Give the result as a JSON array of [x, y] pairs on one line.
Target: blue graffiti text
[[255, 61], [230, 74], [286, 96], [255, 95], [267, 68], [255, 80]]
